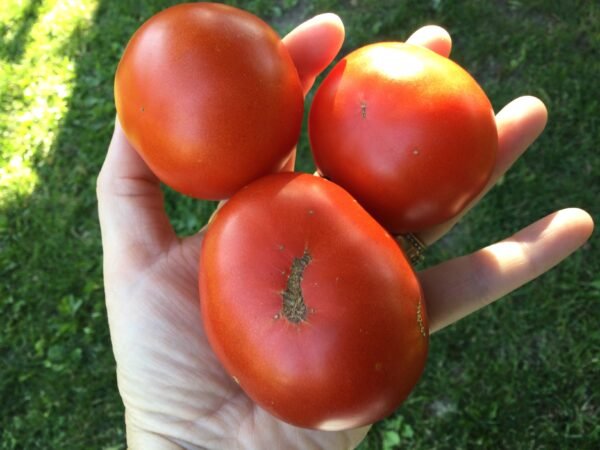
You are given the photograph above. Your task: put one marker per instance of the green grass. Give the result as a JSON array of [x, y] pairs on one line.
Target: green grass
[[521, 374]]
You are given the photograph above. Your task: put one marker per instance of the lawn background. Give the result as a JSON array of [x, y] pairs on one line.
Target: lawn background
[[521, 374]]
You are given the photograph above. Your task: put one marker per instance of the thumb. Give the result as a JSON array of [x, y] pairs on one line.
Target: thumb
[[133, 222]]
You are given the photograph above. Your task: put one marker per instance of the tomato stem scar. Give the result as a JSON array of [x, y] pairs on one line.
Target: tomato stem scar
[[294, 308]]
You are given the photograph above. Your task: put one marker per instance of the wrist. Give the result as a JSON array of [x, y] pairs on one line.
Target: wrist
[[138, 439], [150, 441]]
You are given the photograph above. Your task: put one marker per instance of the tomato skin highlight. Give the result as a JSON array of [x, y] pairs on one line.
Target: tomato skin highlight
[[409, 133], [362, 345], [197, 92]]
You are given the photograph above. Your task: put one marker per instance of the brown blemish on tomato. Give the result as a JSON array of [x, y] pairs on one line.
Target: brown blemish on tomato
[[363, 109], [420, 319], [294, 309]]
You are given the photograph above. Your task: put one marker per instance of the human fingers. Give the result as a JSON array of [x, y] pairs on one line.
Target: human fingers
[[519, 124], [456, 288], [313, 45], [432, 37]]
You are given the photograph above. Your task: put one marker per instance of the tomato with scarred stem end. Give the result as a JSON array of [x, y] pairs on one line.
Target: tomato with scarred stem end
[[310, 305], [198, 91], [409, 133]]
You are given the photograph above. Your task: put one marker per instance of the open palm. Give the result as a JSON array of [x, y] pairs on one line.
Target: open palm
[[174, 390]]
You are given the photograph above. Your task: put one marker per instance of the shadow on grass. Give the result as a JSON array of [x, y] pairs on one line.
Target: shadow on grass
[[55, 352], [12, 50]]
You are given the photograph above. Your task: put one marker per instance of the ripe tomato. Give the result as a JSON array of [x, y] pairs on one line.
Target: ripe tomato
[[409, 133], [198, 91], [310, 304]]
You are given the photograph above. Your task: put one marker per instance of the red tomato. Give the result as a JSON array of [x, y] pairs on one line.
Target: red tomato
[[209, 97], [310, 304], [409, 133]]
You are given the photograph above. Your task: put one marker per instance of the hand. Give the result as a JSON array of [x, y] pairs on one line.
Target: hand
[[174, 390]]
